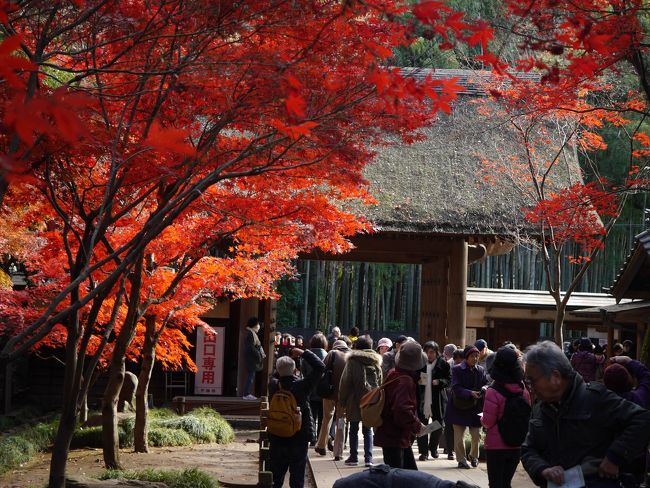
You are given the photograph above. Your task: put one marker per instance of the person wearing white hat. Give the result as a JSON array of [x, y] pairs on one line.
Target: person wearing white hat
[[384, 345]]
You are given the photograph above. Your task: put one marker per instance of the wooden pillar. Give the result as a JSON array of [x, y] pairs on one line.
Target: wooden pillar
[[457, 304], [247, 308], [610, 331], [640, 333], [433, 300], [269, 319]]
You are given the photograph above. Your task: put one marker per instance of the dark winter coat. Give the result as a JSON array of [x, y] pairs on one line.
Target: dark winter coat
[[586, 363], [641, 394], [362, 372], [388, 361], [590, 422], [464, 380], [306, 369], [441, 372], [253, 352], [400, 423], [300, 389], [383, 476]]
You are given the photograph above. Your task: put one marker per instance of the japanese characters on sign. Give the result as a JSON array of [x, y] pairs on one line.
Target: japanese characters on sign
[[209, 361]]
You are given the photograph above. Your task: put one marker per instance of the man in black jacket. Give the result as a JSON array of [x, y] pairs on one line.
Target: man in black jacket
[[578, 424], [291, 452]]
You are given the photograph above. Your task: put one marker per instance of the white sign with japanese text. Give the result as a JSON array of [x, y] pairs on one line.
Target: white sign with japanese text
[[209, 360]]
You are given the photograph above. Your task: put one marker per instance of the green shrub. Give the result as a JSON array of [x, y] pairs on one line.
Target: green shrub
[[188, 478], [19, 447], [41, 435], [195, 427], [14, 451], [203, 425], [92, 437], [216, 424], [162, 436], [127, 426], [162, 413]]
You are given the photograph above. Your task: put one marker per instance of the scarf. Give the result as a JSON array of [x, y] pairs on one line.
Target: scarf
[[428, 393]]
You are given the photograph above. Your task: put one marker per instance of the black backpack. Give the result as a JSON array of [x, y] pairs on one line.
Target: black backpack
[[513, 426], [325, 387]]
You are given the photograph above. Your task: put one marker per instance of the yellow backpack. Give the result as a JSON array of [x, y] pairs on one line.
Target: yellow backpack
[[284, 419]]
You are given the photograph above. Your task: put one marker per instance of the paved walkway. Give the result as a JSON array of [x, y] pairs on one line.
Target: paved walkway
[[327, 471]]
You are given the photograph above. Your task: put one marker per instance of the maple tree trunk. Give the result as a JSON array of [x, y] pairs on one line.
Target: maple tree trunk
[[110, 437], [558, 326], [68, 421], [83, 408], [141, 428]]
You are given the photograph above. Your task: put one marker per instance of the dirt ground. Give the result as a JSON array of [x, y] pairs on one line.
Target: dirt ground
[[234, 463]]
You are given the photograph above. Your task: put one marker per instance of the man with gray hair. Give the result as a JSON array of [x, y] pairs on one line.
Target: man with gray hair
[[291, 452], [578, 425]]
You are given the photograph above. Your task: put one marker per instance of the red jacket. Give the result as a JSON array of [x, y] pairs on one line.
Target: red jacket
[[400, 423], [493, 407]]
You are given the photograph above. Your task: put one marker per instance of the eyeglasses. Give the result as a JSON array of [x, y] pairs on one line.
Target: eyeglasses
[[530, 382]]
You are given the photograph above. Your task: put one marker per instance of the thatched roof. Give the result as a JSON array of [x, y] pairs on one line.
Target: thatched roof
[[437, 186], [633, 280]]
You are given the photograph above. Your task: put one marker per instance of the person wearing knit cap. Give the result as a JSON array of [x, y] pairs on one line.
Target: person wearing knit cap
[[483, 352], [585, 361], [508, 375], [335, 360], [400, 423], [467, 382], [619, 377]]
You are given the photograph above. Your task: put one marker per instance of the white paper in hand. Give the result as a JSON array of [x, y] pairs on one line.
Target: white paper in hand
[[429, 428], [573, 478]]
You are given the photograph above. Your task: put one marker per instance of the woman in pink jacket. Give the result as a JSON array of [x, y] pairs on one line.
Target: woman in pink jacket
[[502, 458]]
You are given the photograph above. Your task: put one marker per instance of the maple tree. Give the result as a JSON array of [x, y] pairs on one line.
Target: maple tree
[[562, 209], [123, 118], [578, 47]]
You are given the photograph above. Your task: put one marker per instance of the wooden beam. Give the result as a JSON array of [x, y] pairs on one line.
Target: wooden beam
[[389, 248]]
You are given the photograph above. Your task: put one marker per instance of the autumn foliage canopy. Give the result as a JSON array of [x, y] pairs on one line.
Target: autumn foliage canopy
[[229, 136], [210, 137]]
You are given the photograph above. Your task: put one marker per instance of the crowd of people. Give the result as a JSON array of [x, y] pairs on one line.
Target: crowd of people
[[555, 411]]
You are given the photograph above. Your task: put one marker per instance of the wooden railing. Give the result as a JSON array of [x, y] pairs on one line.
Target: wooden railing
[[265, 476]]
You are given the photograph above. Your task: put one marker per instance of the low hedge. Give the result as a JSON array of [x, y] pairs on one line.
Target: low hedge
[[21, 445], [165, 429], [188, 478]]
